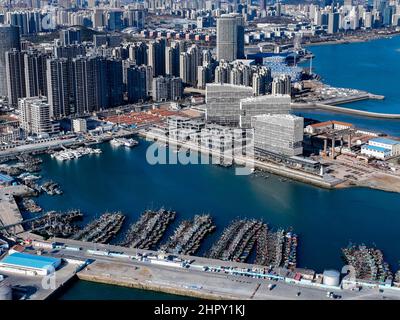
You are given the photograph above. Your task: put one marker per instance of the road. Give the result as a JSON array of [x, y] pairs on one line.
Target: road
[[195, 282]]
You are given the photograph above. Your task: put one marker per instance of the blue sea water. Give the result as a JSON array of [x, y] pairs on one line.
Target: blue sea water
[[326, 220], [372, 66]]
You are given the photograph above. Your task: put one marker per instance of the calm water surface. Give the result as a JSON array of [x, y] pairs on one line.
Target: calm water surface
[[325, 220]]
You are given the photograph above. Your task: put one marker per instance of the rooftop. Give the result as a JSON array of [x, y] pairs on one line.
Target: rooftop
[[385, 141], [6, 178], [30, 260], [375, 148]]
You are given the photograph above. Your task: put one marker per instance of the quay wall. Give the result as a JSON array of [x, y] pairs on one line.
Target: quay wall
[[268, 166], [304, 106], [137, 284]]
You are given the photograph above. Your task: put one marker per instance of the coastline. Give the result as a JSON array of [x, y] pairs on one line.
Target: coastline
[[380, 181], [351, 40]]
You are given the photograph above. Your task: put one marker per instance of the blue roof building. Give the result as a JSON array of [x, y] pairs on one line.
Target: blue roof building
[[29, 264], [6, 180], [385, 141]]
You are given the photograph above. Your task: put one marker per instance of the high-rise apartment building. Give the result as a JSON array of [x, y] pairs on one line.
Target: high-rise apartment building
[[35, 73], [58, 87], [136, 84], [167, 88], [9, 39], [230, 37], [34, 116], [15, 76]]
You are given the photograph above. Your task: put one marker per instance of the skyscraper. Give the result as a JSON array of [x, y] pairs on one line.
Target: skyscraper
[[172, 64], [58, 87], [156, 56], [136, 83], [15, 76], [188, 63], [115, 82], [230, 37], [9, 39], [70, 36], [35, 73], [84, 81], [333, 22]]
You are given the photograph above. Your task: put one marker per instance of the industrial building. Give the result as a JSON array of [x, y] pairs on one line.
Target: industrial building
[[268, 104], [223, 102], [327, 125], [29, 264], [381, 148], [278, 133], [6, 180]]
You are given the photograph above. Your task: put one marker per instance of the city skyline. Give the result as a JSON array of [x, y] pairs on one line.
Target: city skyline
[[201, 144]]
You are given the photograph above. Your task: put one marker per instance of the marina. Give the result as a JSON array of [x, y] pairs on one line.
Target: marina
[[70, 154], [125, 142], [149, 229]]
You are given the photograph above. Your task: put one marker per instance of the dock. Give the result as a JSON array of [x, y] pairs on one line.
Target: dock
[[325, 181], [334, 108], [117, 268], [9, 211]]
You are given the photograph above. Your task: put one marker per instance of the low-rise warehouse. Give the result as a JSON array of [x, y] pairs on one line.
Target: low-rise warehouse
[[381, 148], [29, 264]]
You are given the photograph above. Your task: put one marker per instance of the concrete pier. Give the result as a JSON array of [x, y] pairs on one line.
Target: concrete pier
[[332, 108], [193, 281], [9, 211]]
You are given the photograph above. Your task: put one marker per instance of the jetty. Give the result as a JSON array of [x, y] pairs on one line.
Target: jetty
[[337, 109], [9, 211]]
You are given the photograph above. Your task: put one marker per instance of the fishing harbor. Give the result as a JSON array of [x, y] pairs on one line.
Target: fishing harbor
[[101, 230], [275, 240], [237, 241], [276, 248], [188, 235], [368, 263], [149, 229], [55, 224]]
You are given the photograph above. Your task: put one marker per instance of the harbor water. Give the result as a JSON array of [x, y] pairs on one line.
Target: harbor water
[[120, 179], [371, 66]]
